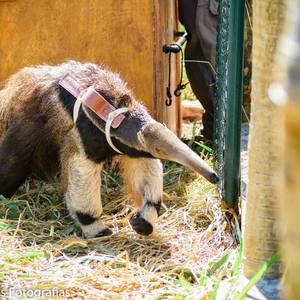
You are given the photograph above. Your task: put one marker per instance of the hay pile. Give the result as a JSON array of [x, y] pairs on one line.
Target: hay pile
[[41, 248]]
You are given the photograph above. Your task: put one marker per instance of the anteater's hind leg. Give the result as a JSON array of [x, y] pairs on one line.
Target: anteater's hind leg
[[15, 160], [82, 179], [144, 181]]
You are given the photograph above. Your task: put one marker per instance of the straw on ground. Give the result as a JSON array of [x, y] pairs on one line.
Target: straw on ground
[[41, 247]]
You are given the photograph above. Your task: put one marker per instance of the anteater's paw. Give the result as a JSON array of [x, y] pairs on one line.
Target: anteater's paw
[[102, 233], [140, 225], [95, 229]]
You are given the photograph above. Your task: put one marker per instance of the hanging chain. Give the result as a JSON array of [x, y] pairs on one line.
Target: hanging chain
[[180, 86], [168, 90]]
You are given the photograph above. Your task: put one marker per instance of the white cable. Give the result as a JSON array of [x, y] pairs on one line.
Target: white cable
[[201, 62], [108, 124]]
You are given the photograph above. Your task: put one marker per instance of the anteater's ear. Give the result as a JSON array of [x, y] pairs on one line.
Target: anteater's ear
[[124, 101]]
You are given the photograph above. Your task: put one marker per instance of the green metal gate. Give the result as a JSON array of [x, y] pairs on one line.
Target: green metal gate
[[229, 79]]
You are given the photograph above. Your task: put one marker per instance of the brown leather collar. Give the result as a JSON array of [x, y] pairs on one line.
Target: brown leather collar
[[91, 99]]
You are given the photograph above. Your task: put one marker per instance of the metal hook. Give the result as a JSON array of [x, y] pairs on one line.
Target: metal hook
[[169, 95], [169, 102]]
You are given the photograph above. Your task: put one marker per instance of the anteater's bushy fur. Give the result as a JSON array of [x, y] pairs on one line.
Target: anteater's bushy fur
[[38, 138]]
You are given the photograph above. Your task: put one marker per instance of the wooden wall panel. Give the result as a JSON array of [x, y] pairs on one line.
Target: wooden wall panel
[[113, 32], [125, 35]]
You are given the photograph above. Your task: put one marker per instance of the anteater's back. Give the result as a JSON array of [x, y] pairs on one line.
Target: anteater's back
[[40, 84], [33, 111], [17, 92]]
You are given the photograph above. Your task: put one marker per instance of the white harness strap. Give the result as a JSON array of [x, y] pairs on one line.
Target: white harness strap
[[108, 124], [109, 121], [76, 109]]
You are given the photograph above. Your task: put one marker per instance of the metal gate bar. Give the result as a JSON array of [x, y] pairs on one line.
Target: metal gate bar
[[229, 82]]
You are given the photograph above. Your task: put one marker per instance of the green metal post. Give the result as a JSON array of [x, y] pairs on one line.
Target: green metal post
[[229, 82], [233, 113]]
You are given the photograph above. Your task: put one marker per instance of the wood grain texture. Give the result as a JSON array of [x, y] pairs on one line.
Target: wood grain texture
[[126, 36], [166, 16], [260, 229]]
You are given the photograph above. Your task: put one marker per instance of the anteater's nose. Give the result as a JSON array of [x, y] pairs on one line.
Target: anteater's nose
[[214, 178]]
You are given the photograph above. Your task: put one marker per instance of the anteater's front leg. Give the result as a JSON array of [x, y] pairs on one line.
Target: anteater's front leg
[[83, 196], [144, 182]]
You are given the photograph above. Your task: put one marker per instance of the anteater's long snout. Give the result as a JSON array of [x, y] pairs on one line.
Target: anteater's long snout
[[164, 144]]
